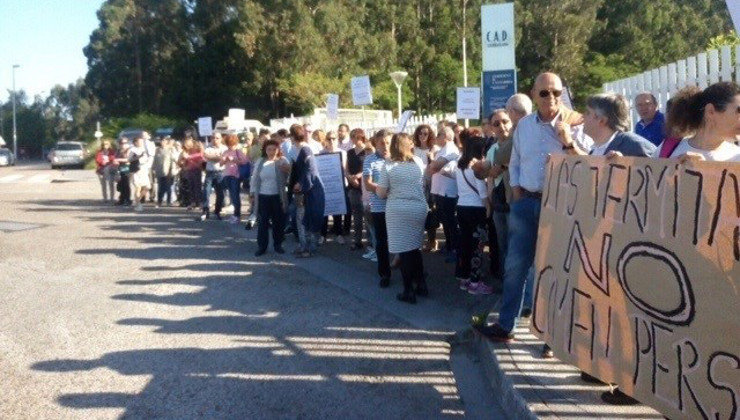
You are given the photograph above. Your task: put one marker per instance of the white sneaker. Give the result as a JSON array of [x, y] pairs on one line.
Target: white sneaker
[[340, 239], [370, 255], [203, 217], [139, 207]]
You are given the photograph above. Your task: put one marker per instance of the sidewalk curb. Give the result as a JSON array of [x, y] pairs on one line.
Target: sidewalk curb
[[508, 397]]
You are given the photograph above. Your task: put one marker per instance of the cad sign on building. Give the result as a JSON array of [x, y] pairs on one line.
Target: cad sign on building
[[499, 64]]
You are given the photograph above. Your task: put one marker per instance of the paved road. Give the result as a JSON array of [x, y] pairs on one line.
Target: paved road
[[106, 313]]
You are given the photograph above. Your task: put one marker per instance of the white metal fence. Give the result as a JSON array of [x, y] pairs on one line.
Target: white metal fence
[[701, 70], [371, 121]]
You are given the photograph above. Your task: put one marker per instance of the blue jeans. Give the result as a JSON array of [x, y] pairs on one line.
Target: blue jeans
[[524, 220], [231, 183], [214, 181]]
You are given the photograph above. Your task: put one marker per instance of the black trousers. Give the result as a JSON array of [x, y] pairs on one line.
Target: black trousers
[[469, 258], [347, 219], [412, 269], [381, 245], [336, 226], [270, 212], [446, 214], [124, 188]]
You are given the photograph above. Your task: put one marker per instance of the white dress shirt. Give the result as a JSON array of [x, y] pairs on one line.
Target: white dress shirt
[[534, 139]]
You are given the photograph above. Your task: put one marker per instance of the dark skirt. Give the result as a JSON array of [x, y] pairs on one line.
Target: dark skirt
[[313, 220]]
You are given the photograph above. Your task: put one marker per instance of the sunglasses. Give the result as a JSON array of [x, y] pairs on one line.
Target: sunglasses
[[545, 93], [500, 123], [423, 132]]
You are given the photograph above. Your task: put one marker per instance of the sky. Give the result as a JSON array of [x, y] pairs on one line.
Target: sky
[[46, 38]]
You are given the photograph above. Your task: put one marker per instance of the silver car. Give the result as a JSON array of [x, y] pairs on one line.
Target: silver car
[[6, 157], [68, 153]]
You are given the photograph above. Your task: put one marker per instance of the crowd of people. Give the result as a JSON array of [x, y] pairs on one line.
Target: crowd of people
[[483, 185]]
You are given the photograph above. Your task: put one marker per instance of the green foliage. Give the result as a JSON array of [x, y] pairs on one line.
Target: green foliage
[[190, 58], [719, 41], [144, 121]]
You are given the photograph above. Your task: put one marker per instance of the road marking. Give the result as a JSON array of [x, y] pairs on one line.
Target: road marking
[[38, 178], [7, 226], [10, 178]]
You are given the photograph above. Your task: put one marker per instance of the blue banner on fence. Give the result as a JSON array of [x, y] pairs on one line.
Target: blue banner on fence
[[498, 86]]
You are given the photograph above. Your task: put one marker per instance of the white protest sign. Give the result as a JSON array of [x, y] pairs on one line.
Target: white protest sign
[[332, 176], [468, 103], [205, 126], [403, 121], [332, 106], [362, 93], [236, 119]]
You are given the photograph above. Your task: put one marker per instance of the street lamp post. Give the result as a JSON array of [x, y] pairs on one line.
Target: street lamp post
[[15, 130], [398, 78]]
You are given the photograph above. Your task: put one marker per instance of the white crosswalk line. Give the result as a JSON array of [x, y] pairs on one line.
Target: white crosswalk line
[[38, 179], [10, 178]]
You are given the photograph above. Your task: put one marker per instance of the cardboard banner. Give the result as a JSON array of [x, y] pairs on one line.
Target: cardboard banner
[[638, 278], [468, 103], [332, 175], [362, 92]]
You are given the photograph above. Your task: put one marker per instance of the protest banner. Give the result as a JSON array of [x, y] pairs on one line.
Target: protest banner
[[236, 119], [332, 176], [638, 278], [468, 103], [362, 93], [205, 126], [403, 121], [332, 106]]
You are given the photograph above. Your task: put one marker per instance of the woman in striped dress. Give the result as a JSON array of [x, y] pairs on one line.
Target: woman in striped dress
[[402, 182]]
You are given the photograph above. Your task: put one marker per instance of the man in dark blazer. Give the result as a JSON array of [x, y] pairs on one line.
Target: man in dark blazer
[[606, 121]]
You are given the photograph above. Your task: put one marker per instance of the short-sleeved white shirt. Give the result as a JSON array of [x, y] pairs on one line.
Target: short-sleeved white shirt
[[442, 185], [726, 152]]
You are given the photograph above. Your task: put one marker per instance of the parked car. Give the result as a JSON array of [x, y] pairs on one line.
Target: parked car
[[68, 154], [6, 157], [130, 134]]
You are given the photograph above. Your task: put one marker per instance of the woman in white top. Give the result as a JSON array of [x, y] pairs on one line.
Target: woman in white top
[[713, 115], [472, 208], [268, 187], [402, 183], [140, 177], [425, 149]]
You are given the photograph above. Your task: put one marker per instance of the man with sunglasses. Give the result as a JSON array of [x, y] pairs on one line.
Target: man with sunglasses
[[553, 129]]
